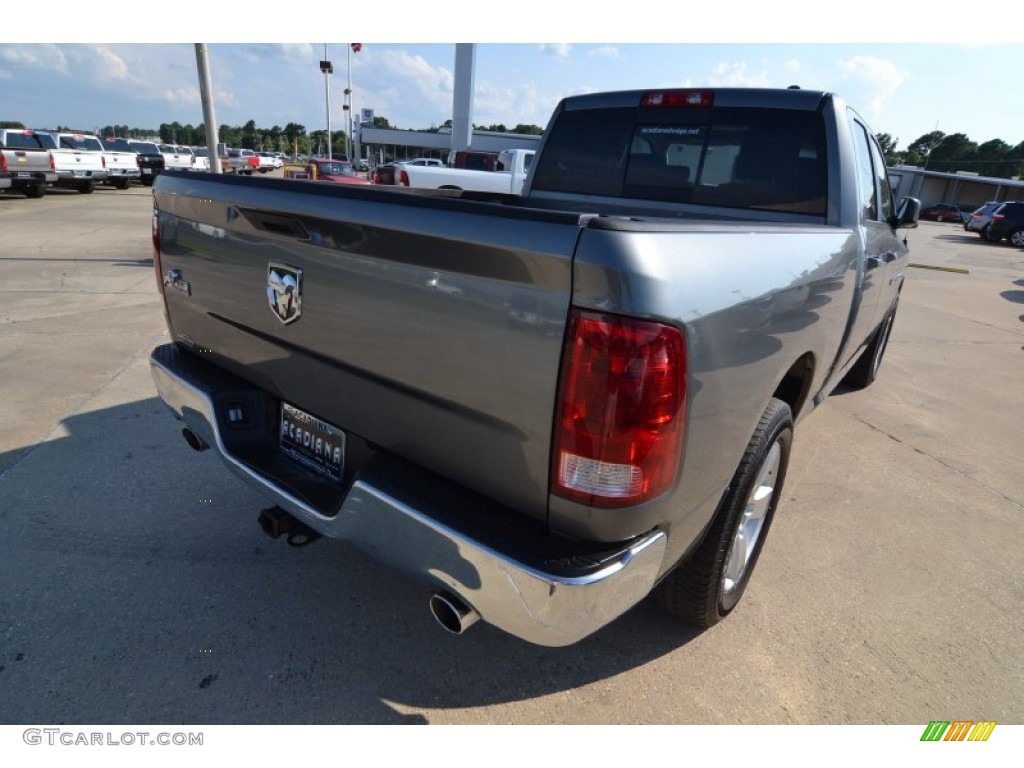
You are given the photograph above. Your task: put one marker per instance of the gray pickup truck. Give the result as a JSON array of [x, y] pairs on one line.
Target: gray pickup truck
[[545, 406], [25, 164]]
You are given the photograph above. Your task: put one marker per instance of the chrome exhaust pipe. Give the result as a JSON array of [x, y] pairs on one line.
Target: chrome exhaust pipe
[[452, 613], [195, 442]]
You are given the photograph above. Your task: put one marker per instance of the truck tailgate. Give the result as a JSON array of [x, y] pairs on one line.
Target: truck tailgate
[[435, 337]]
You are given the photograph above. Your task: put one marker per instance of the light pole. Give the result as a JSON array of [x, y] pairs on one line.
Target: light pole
[[350, 108], [327, 69]]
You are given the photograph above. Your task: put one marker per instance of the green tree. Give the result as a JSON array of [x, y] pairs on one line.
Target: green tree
[[954, 152], [888, 145], [250, 136], [529, 130], [11, 124]]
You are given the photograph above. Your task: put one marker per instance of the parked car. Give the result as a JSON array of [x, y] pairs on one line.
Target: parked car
[[1007, 224], [25, 165], [385, 174], [269, 161], [944, 212], [979, 220], [150, 159], [77, 167], [430, 162], [335, 170], [202, 159], [177, 158]]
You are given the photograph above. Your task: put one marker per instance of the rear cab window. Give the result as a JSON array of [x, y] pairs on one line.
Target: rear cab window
[[15, 140], [747, 158]]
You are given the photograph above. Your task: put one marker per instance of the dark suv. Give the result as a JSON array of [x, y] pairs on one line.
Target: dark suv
[[1007, 224]]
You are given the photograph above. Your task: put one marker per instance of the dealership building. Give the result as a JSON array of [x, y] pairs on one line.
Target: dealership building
[[962, 188]]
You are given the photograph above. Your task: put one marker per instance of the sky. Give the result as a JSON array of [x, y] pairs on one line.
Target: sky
[[903, 87]]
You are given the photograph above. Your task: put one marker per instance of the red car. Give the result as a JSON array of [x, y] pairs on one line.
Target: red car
[[336, 170], [944, 212]]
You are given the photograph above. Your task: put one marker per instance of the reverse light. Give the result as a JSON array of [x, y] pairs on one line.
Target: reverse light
[[621, 410], [678, 99]]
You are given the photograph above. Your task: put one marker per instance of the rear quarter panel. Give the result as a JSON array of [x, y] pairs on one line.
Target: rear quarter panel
[[752, 299]]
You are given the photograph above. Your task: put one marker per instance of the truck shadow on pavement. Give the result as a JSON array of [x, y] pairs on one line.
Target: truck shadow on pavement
[[140, 589]]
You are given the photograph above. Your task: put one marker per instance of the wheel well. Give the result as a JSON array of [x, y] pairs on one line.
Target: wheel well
[[795, 385]]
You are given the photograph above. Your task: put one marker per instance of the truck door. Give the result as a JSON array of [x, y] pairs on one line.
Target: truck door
[[895, 254], [881, 246]]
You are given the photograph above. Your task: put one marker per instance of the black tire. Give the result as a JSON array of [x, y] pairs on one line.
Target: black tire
[[35, 191], [865, 370], [987, 231], [121, 183], [705, 588], [1016, 238], [86, 187]]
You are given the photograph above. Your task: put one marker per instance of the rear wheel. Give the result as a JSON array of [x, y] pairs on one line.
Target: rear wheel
[[1016, 238], [121, 183], [86, 187], [37, 190], [705, 587]]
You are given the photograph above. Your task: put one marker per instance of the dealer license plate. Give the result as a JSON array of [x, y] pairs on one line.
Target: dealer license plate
[[313, 442]]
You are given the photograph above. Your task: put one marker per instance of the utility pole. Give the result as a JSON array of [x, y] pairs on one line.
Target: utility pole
[[327, 69], [206, 94]]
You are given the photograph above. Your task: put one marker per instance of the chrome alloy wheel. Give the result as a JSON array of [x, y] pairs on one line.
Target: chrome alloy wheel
[[748, 530]]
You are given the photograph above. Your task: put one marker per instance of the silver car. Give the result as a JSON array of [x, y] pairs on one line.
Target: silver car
[[981, 218]]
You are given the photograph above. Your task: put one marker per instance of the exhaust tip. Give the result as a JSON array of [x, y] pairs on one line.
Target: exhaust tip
[[452, 613], [195, 442]]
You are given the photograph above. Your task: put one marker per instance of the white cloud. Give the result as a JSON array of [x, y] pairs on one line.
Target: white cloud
[[557, 50], [733, 74], [604, 52], [182, 95], [104, 64], [883, 77], [792, 65], [48, 57]]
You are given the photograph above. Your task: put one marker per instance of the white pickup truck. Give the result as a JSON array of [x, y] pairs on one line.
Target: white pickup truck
[[514, 166], [76, 166], [177, 158], [121, 161]]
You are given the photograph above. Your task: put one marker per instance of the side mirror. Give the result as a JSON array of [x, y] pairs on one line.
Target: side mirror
[[907, 213]]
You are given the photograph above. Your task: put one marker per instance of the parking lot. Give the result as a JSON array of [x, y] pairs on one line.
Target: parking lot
[[138, 588]]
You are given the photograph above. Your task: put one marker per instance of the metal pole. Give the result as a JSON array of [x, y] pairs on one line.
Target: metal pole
[[206, 94], [327, 98], [351, 159]]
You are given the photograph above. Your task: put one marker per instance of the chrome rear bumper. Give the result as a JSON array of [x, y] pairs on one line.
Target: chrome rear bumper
[[543, 601]]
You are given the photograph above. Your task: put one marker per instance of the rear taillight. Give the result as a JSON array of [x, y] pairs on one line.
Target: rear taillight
[[998, 217], [403, 178], [3, 163], [53, 163], [103, 160], [621, 410]]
